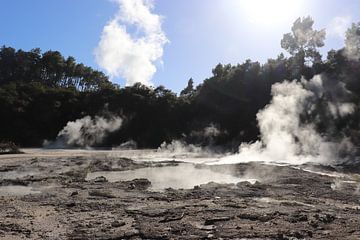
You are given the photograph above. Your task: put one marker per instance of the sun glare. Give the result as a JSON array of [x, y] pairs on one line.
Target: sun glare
[[271, 12]]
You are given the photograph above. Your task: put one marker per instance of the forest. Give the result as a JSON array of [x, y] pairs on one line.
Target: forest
[[40, 92]]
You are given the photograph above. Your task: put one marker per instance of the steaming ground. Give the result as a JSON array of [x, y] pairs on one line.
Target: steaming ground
[[85, 132], [288, 133], [125, 194], [286, 138], [293, 183]]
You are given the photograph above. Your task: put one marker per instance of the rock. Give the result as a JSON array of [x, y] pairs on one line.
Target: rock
[[76, 175], [297, 235], [298, 217], [248, 216], [325, 218], [74, 193], [139, 183], [71, 204], [75, 209], [117, 224], [211, 221], [313, 224], [172, 217], [206, 227], [99, 193], [153, 212], [100, 165], [266, 217], [100, 179]]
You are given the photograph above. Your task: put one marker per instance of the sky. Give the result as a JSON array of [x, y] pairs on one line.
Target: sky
[[166, 41]]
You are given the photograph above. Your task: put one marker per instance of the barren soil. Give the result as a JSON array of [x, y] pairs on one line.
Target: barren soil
[[47, 195]]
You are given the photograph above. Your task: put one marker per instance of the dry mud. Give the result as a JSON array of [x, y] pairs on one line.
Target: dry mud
[[49, 195]]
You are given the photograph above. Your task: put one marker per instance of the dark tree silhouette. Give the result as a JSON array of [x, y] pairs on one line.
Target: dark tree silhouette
[[41, 92]]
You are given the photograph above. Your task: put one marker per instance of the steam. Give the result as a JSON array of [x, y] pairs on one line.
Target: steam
[[334, 94], [210, 131], [285, 138], [128, 145], [352, 42], [132, 56], [205, 136], [85, 132], [338, 26], [182, 176], [179, 147]]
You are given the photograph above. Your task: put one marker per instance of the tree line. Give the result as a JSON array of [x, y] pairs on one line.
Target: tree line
[[41, 92]]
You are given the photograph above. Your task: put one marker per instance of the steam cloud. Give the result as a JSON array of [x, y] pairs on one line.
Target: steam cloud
[[205, 135], [284, 137], [210, 131], [338, 26], [85, 132], [128, 145], [352, 42], [132, 56], [179, 147]]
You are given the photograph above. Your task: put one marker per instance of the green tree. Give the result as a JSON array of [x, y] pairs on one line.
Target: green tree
[[303, 40], [189, 88]]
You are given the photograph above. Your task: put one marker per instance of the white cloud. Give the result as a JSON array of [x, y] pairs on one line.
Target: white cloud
[[338, 26], [132, 54]]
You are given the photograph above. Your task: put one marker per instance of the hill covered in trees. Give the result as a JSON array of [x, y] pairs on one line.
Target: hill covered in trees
[[41, 92]]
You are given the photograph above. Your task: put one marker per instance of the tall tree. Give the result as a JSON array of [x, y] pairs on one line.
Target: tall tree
[[189, 88], [303, 40]]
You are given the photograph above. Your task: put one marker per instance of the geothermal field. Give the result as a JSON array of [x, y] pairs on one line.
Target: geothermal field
[[159, 119], [152, 194]]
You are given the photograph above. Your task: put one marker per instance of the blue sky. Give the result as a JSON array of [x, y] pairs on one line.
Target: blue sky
[[202, 33]]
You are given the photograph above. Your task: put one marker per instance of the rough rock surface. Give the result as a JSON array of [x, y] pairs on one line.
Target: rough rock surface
[[286, 203]]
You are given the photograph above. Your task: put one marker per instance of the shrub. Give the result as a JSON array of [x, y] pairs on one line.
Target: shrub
[[9, 148]]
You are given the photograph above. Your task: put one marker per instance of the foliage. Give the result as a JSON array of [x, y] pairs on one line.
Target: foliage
[[9, 148], [40, 93], [50, 69], [352, 42], [303, 40]]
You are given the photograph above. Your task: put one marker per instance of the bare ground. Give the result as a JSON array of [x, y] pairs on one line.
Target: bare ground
[[50, 199]]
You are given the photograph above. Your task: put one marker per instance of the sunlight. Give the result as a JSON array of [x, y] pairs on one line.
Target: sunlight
[[271, 12]]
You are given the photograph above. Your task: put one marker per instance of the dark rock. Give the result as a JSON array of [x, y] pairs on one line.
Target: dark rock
[[74, 193], [139, 183], [101, 193], [100, 179], [117, 224], [172, 217], [211, 221], [71, 204], [249, 216], [298, 217], [76, 175], [324, 218]]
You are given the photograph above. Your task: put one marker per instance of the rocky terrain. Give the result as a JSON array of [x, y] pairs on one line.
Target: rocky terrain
[[52, 196]]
